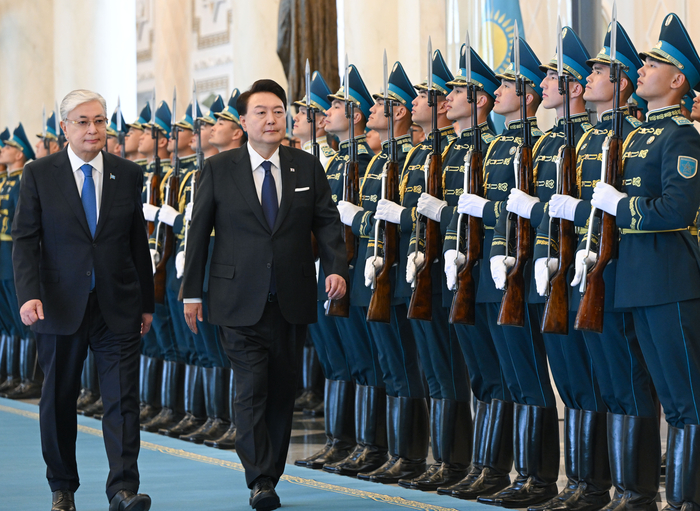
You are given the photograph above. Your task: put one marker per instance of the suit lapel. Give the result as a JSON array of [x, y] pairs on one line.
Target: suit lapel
[[289, 180], [108, 189], [65, 182], [243, 177]]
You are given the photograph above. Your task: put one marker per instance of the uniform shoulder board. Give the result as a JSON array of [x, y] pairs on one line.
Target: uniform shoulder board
[[536, 132], [361, 149], [406, 147], [586, 126], [680, 120], [327, 150], [487, 137], [636, 123]]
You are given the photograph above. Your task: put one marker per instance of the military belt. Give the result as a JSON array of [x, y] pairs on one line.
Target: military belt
[[581, 230], [488, 228], [693, 231], [5, 237]]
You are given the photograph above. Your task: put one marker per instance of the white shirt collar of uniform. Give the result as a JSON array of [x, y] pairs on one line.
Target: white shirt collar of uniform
[[256, 160], [75, 161]]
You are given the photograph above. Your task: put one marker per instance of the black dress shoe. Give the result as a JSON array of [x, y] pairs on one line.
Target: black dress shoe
[[62, 500], [523, 492], [363, 458], [26, 390], [127, 500], [263, 496], [225, 441], [187, 425]]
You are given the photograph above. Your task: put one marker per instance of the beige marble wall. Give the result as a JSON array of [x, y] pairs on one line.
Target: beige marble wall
[[26, 63], [172, 26]]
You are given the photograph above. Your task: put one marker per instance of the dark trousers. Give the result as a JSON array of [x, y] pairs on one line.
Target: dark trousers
[[117, 357], [266, 359], [359, 349]]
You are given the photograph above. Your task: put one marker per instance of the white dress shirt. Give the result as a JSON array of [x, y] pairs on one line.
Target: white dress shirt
[[259, 172], [97, 171]]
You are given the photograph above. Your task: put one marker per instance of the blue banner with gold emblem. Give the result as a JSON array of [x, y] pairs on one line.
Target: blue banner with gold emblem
[[498, 25]]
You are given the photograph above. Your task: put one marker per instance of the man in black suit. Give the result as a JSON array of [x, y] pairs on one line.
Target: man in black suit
[[83, 276], [264, 202]]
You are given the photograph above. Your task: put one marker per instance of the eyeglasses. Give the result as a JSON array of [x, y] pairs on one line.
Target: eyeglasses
[[98, 122]]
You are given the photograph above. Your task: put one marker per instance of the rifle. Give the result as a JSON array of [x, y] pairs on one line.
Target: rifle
[[421, 304], [44, 139], [463, 308], [59, 132], [311, 120], [153, 181], [380, 303], [513, 304], [120, 134], [556, 311], [592, 307], [351, 191]]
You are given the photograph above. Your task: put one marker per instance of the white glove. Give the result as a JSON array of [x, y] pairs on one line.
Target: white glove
[[347, 212], [606, 197], [168, 214], [499, 269], [180, 264], [563, 206], [472, 205], [188, 211], [521, 203], [452, 268], [430, 206], [581, 258], [373, 265], [389, 211], [543, 271], [150, 211], [414, 262], [154, 259]]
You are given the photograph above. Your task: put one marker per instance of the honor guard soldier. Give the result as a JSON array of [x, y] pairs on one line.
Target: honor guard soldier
[[622, 376], [227, 132], [26, 383], [351, 355], [133, 137], [392, 345], [313, 107], [657, 276], [6, 365], [472, 97], [48, 139], [433, 343], [206, 124], [114, 132], [153, 144]]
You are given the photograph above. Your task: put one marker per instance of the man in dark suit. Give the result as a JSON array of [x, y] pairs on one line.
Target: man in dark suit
[[83, 276], [263, 201]]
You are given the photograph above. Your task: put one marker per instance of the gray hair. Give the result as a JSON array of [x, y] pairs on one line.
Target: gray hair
[[76, 98]]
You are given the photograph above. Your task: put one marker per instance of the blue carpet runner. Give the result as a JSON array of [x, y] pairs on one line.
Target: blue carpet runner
[[181, 476]]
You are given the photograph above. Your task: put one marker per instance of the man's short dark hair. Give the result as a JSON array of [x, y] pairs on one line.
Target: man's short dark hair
[[264, 85]]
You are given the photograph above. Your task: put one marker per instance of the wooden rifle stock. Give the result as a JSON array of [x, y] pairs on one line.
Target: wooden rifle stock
[[153, 198], [463, 308], [167, 243], [556, 311], [341, 307], [421, 304], [380, 303], [513, 304], [592, 307]]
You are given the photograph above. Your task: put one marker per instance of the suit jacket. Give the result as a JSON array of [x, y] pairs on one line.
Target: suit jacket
[[247, 251], [54, 254]]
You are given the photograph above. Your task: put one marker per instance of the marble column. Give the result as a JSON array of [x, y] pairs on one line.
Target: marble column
[[172, 51], [94, 47], [26, 63]]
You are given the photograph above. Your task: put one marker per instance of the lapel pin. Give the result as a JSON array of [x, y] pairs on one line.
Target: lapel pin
[[112, 176], [291, 169]]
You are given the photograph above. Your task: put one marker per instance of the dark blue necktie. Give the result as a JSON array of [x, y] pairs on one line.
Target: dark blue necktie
[[89, 200], [270, 207]]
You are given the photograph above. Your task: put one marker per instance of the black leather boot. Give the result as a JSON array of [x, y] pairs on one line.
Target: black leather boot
[[327, 399], [480, 428], [691, 468], [168, 415], [152, 371], [674, 469], [536, 458], [311, 370], [407, 433], [228, 439], [214, 398], [3, 358], [194, 404], [370, 424], [12, 365], [636, 477], [454, 437], [31, 377]]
